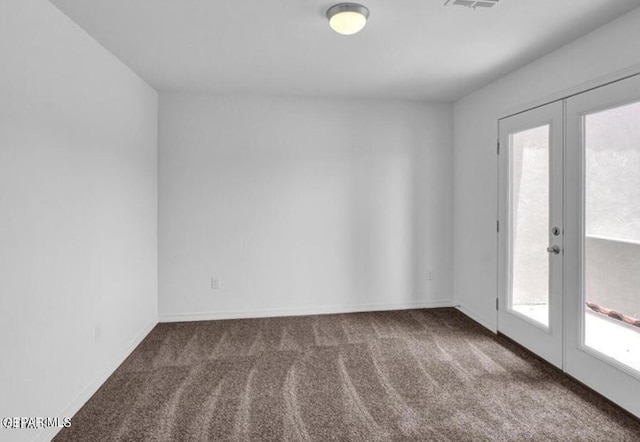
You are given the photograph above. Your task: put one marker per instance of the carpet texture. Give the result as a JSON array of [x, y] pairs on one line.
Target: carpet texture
[[419, 375]]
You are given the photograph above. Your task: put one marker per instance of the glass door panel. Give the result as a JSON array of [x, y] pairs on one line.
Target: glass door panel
[[529, 182], [612, 233]]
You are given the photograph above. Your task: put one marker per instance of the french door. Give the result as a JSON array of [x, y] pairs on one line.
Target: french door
[[602, 241], [569, 236], [531, 230]]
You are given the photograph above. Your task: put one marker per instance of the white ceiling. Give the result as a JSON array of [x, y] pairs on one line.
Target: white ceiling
[[412, 49]]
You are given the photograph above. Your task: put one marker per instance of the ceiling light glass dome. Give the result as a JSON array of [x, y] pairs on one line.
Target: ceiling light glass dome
[[347, 18]]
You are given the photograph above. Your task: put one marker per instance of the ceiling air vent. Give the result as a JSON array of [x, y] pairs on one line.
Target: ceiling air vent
[[472, 3]]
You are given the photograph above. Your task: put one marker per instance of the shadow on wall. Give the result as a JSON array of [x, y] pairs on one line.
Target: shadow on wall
[[381, 206], [400, 210]]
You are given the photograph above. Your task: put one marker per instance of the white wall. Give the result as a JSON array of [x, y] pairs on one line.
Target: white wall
[[302, 205], [78, 198], [603, 53]]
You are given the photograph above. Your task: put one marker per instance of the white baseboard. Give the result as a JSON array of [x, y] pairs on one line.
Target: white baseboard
[[82, 397], [491, 325], [301, 311]]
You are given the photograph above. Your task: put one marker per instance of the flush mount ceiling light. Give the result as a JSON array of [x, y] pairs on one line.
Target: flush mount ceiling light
[[347, 18]]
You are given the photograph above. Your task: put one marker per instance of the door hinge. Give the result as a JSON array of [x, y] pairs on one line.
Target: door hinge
[[498, 226], [497, 300], [498, 148]]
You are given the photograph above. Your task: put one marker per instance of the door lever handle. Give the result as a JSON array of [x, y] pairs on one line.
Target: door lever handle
[[554, 249]]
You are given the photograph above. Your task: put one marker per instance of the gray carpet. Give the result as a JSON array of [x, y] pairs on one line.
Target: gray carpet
[[420, 375]]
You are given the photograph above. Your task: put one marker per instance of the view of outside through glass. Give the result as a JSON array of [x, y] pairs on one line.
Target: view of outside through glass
[[529, 175], [612, 227]]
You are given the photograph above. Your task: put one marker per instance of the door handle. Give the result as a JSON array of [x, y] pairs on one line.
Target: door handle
[[554, 249]]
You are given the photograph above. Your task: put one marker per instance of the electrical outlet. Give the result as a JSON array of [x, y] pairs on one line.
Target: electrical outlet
[[430, 275], [215, 283], [97, 332]]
